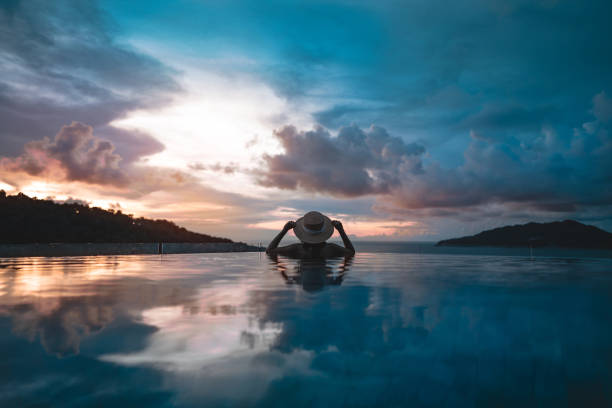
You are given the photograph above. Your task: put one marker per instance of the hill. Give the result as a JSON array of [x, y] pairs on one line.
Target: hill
[[30, 220], [568, 234]]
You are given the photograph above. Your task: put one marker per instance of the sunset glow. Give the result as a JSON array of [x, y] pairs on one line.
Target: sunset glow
[[222, 114], [362, 229]]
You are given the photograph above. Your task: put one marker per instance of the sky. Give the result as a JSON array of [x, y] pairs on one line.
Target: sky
[[406, 120]]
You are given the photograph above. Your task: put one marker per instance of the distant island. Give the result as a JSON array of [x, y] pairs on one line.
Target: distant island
[[28, 220], [567, 234]]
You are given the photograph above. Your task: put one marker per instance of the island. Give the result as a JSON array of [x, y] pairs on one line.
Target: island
[[32, 226], [565, 234]]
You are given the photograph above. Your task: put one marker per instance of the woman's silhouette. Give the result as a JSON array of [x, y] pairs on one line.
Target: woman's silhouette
[[313, 229]]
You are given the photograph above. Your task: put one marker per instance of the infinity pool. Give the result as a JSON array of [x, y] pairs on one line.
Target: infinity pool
[[240, 329]]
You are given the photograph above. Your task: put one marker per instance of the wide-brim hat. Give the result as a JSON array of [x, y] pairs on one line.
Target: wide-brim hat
[[313, 228]]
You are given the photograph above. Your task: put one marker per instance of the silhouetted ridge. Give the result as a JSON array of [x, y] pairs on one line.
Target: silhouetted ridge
[[569, 234], [29, 220]]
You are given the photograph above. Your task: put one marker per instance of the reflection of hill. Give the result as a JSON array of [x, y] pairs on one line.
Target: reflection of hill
[[567, 234], [29, 220]]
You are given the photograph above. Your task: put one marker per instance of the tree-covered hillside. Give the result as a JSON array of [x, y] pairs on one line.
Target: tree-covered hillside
[[567, 234], [29, 220]]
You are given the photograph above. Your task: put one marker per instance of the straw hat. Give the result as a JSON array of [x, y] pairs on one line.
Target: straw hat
[[313, 228]]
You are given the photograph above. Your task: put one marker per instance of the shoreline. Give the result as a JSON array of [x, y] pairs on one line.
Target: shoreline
[[148, 248]]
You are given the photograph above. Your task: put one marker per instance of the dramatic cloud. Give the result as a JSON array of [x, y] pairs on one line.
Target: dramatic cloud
[[543, 171], [509, 99], [77, 155], [60, 62], [356, 162], [74, 152]]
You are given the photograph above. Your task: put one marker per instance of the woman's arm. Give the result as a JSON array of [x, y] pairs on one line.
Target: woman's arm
[[348, 245], [277, 239]]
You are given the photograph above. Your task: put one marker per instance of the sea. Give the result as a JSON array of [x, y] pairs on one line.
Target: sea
[[398, 325]]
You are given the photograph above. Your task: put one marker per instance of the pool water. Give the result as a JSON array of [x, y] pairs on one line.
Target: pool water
[[240, 329]]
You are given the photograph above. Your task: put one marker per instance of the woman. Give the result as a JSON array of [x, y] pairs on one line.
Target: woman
[[313, 229]]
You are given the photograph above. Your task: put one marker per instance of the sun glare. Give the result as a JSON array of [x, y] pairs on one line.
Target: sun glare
[[220, 121], [6, 187]]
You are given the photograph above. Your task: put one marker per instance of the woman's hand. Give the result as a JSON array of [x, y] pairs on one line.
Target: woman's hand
[[289, 225], [348, 245], [272, 246]]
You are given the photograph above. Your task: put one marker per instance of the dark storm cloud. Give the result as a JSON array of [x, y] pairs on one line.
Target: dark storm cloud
[[518, 65], [61, 62], [543, 172], [356, 162]]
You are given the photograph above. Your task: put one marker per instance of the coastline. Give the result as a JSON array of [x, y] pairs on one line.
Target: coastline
[[88, 249]]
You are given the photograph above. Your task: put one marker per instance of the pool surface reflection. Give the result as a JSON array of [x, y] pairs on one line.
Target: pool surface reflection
[[241, 329]]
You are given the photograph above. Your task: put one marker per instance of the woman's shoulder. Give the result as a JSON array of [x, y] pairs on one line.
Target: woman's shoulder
[[288, 249]]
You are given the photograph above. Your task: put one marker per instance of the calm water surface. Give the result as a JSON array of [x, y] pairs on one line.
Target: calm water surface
[[387, 329]]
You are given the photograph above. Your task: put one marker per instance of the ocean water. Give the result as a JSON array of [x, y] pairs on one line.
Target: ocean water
[[431, 248], [386, 329]]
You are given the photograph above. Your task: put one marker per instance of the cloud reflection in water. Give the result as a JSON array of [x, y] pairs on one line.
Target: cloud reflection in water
[[237, 329]]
